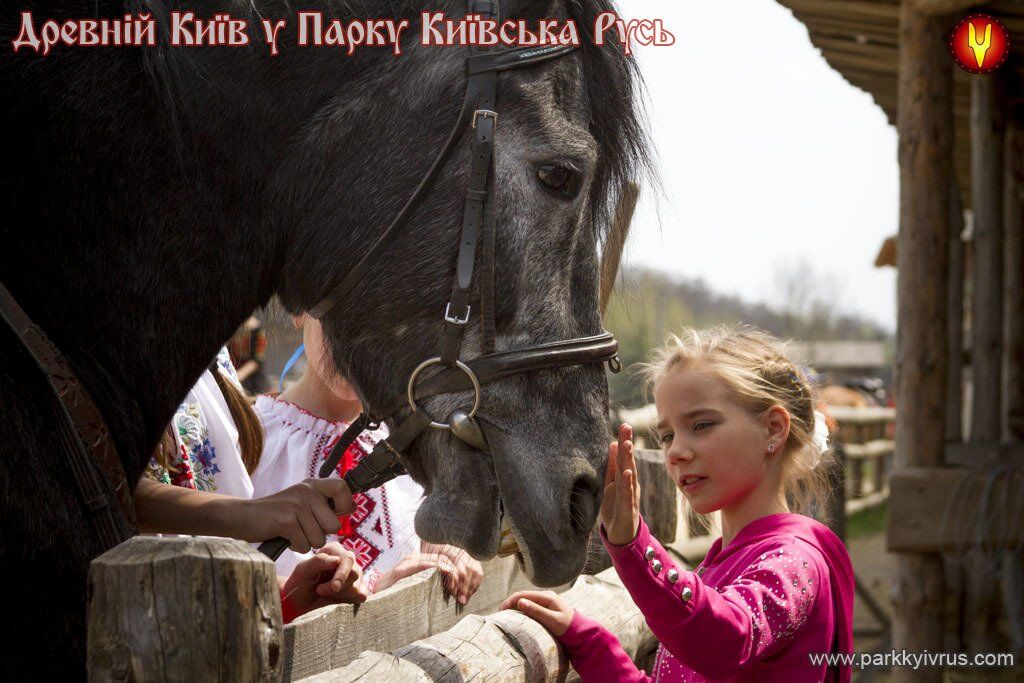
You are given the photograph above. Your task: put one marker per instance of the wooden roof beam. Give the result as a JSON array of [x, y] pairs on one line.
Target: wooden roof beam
[[937, 7], [847, 8]]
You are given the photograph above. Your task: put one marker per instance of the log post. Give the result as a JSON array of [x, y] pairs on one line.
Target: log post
[[1013, 287], [1013, 351], [925, 125], [955, 335], [953, 604], [659, 504], [184, 609], [987, 126]]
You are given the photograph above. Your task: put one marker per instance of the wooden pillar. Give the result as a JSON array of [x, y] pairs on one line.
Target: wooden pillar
[[981, 605], [955, 332], [987, 274], [954, 574], [925, 124], [184, 609], [1013, 289], [1013, 351]]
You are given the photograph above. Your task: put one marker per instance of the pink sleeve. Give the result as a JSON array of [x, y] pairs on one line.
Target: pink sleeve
[[717, 631], [596, 653]]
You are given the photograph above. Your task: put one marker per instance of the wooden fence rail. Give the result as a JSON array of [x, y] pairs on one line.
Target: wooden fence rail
[[197, 609]]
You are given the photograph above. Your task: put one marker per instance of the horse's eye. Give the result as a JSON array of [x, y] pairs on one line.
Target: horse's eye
[[562, 180]]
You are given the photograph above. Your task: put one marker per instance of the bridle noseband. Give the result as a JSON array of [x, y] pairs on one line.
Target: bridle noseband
[[479, 112]]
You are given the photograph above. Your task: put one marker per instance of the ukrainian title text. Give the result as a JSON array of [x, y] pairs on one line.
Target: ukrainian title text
[[312, 29]]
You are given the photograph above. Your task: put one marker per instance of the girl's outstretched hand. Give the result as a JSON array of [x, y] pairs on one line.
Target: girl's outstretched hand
[[620, 507], [544, 607]]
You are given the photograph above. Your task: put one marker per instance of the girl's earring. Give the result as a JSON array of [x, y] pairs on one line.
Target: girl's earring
[[771, 447]]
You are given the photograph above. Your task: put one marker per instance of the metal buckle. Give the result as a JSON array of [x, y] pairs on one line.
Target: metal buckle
[[410, 390], [487, 114], [454, 319]]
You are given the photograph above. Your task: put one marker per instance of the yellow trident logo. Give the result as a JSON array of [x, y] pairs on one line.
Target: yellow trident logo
[[979, 48]]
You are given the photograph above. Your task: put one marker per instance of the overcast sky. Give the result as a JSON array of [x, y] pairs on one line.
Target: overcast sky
[[769, 159]]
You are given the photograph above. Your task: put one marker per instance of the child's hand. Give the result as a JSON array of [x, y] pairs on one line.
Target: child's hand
[[461, 572], [300, 513], [544, 607], [467, 575], [330, 576], [620, 507]]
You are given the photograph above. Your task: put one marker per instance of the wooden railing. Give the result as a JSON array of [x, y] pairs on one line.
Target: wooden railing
[[207, 608], [864, 443], [203, 609]]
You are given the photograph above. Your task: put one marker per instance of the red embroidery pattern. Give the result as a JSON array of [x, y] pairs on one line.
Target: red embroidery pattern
[[349, 536], [364, 552]]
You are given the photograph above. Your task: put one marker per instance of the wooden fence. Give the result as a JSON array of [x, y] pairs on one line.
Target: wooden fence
[[197, 609], [864, 444], [206, 608]]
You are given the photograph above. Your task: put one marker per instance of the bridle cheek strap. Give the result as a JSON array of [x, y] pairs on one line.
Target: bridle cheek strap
[[478, 216]]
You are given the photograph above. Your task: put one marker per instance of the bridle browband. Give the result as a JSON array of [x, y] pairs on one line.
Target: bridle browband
[[454, 375]]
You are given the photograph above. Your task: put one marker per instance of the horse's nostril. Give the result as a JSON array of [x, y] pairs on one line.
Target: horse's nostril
[[583, 504]]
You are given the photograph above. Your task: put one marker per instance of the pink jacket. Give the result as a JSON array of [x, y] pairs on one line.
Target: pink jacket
[[781, 590]]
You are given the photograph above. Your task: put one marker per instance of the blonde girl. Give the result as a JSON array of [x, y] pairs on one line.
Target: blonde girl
[[737, 427]]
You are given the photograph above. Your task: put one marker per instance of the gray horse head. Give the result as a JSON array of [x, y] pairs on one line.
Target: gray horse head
[[569, 135]]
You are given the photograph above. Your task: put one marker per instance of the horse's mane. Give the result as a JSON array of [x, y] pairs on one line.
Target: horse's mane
[[614, 87]]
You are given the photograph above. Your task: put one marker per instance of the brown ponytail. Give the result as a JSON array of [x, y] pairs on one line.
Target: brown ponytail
[[250, 431], [164, 453]]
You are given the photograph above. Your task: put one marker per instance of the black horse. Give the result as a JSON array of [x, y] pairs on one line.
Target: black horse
[[153, 197]]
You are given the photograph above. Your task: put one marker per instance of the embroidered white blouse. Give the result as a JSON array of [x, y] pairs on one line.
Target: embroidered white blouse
[[380, 529]]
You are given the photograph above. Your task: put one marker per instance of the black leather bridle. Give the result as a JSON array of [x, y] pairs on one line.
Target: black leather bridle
[[454, 375]]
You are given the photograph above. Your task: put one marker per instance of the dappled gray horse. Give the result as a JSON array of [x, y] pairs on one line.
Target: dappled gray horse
[[154, 196]]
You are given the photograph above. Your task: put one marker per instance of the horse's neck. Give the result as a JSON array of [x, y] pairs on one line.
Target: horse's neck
[[139, 326]]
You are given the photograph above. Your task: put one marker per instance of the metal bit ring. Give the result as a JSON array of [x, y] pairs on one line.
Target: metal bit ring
[[461, 366]]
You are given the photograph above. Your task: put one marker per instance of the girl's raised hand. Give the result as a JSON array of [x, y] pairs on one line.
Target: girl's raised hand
[[620, 507], [544, 607]]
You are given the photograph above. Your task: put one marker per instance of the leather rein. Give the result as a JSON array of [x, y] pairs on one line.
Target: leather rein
[[95, 467]]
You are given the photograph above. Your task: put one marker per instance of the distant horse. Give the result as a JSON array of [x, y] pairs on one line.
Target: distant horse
[[153, 197], [858, 392]]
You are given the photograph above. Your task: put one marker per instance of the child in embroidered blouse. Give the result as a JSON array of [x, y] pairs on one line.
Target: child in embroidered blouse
[[301, 427], [739, 433], [199, 482]]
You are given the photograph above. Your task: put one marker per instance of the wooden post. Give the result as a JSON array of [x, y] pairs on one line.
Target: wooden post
[[1013, 341], [658, 495], [954, 574], [981, 605], [955, 337], [1013, 288], [925, 124], [184, 609], [837, 506], [987, 273]]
